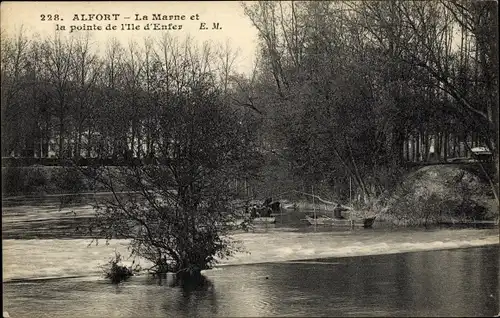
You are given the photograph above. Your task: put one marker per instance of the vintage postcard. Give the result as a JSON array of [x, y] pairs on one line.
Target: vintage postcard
[[250, 158]]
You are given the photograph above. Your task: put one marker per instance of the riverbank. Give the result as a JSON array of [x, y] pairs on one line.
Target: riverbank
[[440, 194], [45, 180], [72, 209], [430, 195]]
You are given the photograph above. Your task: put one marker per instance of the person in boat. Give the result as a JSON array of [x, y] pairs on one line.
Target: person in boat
[[337, 211]]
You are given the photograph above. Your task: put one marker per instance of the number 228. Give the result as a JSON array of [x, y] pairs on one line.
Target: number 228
[[49, 17]]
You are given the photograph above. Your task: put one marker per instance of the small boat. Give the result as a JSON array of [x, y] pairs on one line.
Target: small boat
[[235, 223], [320, 220], [326, 220]]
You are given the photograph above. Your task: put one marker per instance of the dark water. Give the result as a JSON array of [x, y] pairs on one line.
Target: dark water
[[459, 282], [68, 216]]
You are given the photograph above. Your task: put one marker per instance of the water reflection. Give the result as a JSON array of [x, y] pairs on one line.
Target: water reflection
[[429, 283], [437, 283]]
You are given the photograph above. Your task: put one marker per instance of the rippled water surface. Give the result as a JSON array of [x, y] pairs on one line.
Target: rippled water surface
[[287, 270], [459, 282]]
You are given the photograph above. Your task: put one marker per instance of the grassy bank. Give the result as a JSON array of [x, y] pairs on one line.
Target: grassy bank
[[436, 194], [41, 180]]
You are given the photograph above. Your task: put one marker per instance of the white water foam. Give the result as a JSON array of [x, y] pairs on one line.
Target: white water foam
[[272, 247], [35, 259]]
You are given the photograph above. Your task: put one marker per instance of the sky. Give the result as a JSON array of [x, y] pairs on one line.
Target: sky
[[233, 26]]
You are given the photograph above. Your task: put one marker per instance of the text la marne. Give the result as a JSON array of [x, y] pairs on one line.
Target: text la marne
[[165, 17]]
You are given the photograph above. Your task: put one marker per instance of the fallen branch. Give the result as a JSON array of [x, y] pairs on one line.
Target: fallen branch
[[322, 200]]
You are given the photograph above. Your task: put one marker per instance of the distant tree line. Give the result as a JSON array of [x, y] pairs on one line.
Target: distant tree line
[[62, 99]]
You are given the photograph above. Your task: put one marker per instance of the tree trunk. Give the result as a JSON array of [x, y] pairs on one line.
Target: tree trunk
[[454, 138], [356, 171], [132, 137], [437, 146], [425, 142], [445, 144], [38, 141], [89, 143], [418, 140], [78, 145], [466, 146], [46, 139], [61, 134], [407, 149]]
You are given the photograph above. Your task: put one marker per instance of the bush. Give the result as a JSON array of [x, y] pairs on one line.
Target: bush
[[437, 194], [116, 272]]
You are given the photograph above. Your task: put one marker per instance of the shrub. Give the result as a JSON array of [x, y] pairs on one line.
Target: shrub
[[437, 194], [116, 272]]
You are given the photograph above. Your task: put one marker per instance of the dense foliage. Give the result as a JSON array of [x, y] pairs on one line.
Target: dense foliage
[[359, 88]]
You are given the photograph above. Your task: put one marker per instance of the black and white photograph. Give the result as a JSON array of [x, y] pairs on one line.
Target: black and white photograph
[[250, 158]]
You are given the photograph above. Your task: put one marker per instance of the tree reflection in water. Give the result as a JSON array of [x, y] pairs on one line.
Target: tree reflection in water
[[194, 297]]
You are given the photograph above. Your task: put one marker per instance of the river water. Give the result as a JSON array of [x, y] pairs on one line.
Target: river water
[[290, 269]]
